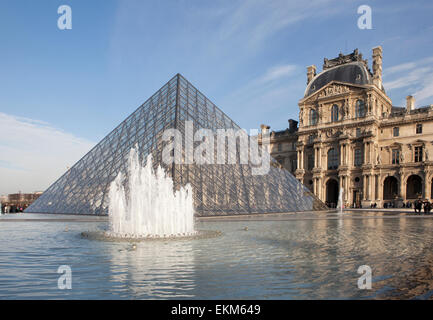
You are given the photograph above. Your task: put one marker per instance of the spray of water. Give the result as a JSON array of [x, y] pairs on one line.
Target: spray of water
[[340, 204], [149, 208]]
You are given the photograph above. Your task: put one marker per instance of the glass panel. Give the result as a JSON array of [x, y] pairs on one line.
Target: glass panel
[[218, 188]]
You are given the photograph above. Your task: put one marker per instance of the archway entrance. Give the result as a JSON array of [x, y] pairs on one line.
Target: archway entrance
[[390, 188], [332, 193], [414, 187]]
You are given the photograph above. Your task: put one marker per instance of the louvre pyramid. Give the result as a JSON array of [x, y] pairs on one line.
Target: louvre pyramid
[[218, 189]]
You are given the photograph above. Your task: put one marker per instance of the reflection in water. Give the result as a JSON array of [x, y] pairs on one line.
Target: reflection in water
[[327, 255], [154, 269], [286, 259]]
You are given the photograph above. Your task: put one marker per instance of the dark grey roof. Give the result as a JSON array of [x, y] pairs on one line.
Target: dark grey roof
[[353, 72], [401, 111]]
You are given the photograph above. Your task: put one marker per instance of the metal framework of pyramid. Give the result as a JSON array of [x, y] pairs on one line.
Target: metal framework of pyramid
[[218, 189]]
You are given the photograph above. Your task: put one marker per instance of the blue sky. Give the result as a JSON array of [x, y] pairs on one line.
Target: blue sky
[[64, 90]]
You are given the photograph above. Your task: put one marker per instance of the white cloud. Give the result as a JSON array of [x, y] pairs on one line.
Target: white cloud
[[257, 20], [34, 154], [273, 91], [416, 76], [278, 72], [274, 77]]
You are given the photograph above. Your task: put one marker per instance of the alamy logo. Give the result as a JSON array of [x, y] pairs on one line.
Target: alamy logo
[[365, 20], [65, 280], [225, 146], [364, 281], [65, 20]]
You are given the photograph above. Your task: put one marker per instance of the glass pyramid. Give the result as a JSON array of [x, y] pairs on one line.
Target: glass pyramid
[[219, 189]]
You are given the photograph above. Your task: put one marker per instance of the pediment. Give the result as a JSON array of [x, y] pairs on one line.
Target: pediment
[[395, 145], [333, 88]]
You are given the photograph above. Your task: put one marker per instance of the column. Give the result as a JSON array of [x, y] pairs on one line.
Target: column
[[370, 187], [299, 159], [369, 152], [350, 156], [376, 186], [427, 187], [302, 158], [343, 155], [364, 187], [347, 154], [366, 153], [316, 164]]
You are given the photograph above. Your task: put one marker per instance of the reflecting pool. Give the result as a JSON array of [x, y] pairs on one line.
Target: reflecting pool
[[299, 256]]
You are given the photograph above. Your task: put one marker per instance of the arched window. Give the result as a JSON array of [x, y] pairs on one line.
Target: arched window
[[333, 159], [360, 109], [313, 117], [334, 113]]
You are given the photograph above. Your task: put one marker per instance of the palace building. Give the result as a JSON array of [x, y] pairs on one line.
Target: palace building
[[351, 136]]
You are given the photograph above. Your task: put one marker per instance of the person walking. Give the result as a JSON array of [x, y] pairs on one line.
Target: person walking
[[418, 206]]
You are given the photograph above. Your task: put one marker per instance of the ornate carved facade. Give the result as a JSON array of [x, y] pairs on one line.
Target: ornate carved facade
[[350, 136]]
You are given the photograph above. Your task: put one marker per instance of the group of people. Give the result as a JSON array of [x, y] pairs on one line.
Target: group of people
[[7, 208], [419, 205]]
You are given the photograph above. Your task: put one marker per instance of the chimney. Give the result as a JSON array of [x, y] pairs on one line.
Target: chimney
[[293, 125], [377, 66], [410, 103], [265, 128], [311, 72]]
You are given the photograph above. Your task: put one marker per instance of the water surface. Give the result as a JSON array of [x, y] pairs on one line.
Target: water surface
[[304, 257]]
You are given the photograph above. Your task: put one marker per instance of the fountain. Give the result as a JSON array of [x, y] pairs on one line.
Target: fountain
[[148, 207], [340, 204], [144, 206]]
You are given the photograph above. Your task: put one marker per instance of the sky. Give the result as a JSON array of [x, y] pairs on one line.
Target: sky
[[62, 91]]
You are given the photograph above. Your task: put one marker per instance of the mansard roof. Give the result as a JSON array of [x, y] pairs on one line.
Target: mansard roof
[[351, 73]]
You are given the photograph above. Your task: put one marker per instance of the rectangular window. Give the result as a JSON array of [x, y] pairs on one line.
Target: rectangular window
[[395, 156], [280, 147], [333, 159], [396, 132], [358, 132], [419, 128], [294, 164], [358, 157], [418, 154], [310, 161]]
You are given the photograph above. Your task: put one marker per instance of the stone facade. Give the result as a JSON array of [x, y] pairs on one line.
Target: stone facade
[[350, 136]]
